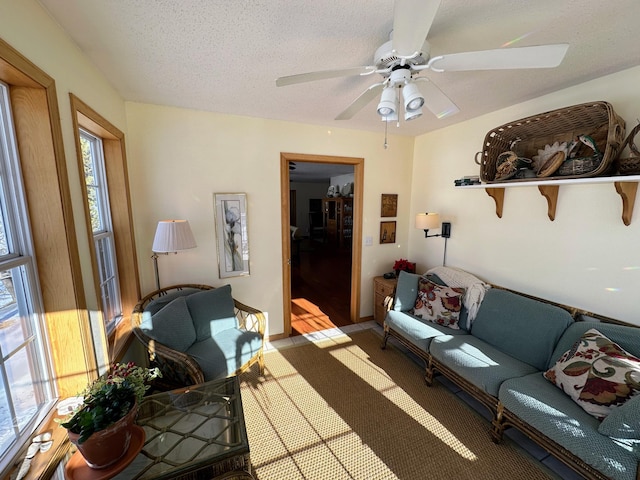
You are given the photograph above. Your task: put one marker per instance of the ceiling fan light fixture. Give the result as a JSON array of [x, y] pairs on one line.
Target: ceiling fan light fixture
[[412, 114], [413, 99], [388, 102]]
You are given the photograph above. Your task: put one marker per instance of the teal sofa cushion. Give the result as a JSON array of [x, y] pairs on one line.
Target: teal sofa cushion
[[525, 328], [212, 311], [623, 421], [553, 413], [223, 354], [626, 336], [417, 330], [483, 365], [406, 291], [171, 325]]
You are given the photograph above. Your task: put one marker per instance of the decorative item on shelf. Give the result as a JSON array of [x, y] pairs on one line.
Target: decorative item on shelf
[[171, 236], [510, 165], [629, 165], [429, 221], [583, 157], [598, 120], [404, 265], [549, 159], [468, 180], [101, 427]]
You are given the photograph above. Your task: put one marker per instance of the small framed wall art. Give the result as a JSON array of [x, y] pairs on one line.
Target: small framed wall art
[[388, 232], [231, 234], [389, 205]]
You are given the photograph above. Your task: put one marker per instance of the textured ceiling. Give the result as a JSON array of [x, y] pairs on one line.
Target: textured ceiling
[[224, 55]]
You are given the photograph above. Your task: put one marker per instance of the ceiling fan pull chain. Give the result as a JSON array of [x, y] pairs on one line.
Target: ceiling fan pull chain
[[386, 125]]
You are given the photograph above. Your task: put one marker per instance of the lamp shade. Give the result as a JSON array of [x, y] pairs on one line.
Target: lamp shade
[[388, 102], [172, 236], [413, 99], [427, 221]]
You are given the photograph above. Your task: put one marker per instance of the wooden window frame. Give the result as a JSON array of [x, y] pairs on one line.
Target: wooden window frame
[[115, 162]]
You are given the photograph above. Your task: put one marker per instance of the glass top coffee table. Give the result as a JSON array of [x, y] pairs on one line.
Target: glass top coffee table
[[195, 432]]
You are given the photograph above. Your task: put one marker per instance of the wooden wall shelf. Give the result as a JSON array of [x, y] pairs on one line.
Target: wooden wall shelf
[[626, 187]]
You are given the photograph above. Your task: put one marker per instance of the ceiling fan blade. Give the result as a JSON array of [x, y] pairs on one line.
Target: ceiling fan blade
[[542, 56], [435, 99], [323, 75], [412, 20], [360, 102]]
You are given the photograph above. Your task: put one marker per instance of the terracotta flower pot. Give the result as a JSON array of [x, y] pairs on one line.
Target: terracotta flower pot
[[106, 447]]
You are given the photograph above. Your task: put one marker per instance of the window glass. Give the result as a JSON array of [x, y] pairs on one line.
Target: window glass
[[26, 391], [99, 211]]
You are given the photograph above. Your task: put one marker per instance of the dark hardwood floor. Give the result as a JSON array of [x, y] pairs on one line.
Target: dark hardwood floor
[[320, 286]]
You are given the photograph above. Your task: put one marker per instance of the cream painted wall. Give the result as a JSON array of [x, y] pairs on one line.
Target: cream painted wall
[[178, 158], [586, 258]]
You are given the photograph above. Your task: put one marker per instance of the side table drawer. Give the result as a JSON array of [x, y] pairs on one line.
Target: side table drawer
[[382, 288]]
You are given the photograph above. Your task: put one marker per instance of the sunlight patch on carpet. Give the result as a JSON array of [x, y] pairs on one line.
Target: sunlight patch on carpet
[[345, 409]]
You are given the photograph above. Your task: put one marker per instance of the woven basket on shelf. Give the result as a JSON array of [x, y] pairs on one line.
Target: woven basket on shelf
[[528, 135], [629, 165]]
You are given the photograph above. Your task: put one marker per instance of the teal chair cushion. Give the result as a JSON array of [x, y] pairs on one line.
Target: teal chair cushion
[[550, 411], [171, 325], [157, 304], [483, 365], [224, 353], [525, 328], [212, 311]]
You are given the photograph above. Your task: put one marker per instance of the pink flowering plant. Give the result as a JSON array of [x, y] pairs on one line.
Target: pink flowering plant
[[109, 398], [405, 265]]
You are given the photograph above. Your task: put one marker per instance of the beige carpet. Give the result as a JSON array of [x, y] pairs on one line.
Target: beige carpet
[[345, 409]]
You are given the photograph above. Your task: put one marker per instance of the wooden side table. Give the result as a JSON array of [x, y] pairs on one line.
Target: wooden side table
[[382, 287]]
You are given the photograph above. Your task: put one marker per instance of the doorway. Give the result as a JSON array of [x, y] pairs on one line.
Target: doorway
[[354, 253]]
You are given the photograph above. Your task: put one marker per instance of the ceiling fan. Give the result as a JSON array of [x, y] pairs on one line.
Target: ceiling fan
[[400, 61]]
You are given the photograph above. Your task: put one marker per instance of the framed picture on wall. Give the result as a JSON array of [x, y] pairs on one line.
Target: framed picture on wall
[[388, 232], [231, 234], [389, 205]]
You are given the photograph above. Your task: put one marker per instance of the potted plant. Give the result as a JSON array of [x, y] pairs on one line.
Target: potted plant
[[405, 265], [101, 425]]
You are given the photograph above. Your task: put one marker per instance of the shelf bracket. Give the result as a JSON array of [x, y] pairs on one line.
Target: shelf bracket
[[498, 196], [550, 192], [627, 191]]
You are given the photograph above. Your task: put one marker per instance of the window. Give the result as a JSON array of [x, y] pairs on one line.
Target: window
[[101, 228], [26, 390], [109, 223]]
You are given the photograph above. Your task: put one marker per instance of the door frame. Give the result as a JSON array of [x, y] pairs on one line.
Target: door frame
[[356, 241]]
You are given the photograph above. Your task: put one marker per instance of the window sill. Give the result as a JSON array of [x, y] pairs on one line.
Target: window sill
[[44, 465], [120, 340]]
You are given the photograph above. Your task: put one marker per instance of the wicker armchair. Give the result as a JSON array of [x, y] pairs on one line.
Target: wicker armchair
[[178, 368]]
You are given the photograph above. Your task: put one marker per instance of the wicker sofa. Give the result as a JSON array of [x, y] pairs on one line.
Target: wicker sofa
[[500, 359], [198, 333]]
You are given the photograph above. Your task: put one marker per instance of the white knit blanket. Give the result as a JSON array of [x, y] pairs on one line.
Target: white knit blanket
[[475, 288]]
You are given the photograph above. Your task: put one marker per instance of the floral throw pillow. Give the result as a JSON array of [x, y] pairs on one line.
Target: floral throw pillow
[[438, 304], [597, 374]]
